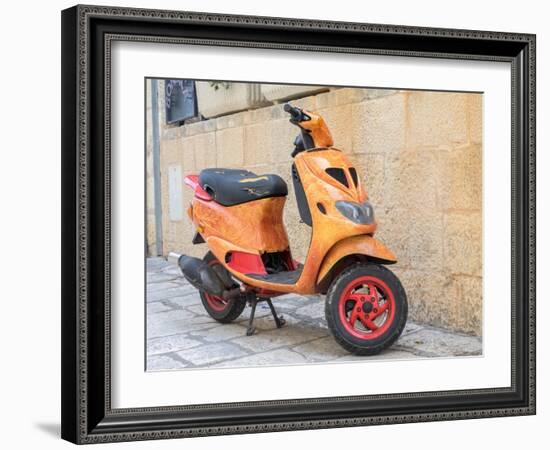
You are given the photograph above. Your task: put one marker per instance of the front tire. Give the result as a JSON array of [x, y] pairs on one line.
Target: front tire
[[220, 309], [366, 309]]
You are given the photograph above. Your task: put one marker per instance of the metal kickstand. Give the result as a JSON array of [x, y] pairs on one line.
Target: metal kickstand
[[279, 320]]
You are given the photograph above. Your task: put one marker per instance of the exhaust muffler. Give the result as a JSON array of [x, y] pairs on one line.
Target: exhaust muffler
[[215, 280]]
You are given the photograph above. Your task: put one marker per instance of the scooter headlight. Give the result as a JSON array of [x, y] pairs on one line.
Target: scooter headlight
[[362, 214]]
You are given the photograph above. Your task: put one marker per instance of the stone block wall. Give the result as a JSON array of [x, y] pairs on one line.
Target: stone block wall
[[419, 156]]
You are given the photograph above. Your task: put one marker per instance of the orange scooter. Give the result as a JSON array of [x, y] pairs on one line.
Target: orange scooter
[[239, 215]]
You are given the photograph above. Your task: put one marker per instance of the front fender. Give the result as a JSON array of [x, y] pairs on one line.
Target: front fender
[[356, 245]]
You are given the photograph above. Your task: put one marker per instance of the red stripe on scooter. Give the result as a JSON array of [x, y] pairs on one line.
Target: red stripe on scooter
[[246, 263]]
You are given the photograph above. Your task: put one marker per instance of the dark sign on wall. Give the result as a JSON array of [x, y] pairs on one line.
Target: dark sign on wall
[[180, 99]]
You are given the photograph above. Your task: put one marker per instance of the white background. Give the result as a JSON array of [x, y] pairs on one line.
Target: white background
[[30, 189]]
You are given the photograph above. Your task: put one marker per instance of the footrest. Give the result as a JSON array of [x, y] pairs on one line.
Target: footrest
[[288, 277]]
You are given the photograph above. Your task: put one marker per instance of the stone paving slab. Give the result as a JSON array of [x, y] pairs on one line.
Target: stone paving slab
[[156, 307], [393, 354], [180, 334], [173, 292], [155, 287], [431, 341], [173, 322], [288, 336], [217, 333], [211, 353], [170, 344], [158, 277], [312, 311], [164, 362], [318, 350], [278, 357]]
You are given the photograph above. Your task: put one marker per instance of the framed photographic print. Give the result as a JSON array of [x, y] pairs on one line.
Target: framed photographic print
[[268, 222]]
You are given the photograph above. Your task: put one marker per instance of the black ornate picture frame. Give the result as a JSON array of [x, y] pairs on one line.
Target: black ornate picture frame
[[87, 35]]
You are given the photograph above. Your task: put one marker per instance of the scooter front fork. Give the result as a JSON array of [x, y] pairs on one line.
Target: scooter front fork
[[279, 320]]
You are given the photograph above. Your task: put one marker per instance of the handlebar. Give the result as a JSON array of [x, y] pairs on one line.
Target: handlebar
[[303, 141], [296, 114]]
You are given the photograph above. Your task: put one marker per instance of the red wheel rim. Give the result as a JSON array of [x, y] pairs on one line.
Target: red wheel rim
[[218, 304], [367, 307]]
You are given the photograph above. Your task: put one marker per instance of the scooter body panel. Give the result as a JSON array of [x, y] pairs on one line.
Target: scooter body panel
[[257, 227], [356, 245], [322, 191], [254, 227]]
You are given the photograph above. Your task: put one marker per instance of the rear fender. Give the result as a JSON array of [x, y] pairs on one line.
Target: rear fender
[[193, 182], [355, 248]]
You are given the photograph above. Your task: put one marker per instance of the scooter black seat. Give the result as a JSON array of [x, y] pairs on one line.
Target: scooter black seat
[[231, 187]]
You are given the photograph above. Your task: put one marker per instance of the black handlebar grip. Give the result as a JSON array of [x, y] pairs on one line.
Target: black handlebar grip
[[293, 111]]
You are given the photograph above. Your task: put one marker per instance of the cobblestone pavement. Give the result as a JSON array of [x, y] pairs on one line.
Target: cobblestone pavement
[[180, 334]]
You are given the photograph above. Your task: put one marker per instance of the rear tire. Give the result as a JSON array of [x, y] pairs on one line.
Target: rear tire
[[224, 311], [366, 309]]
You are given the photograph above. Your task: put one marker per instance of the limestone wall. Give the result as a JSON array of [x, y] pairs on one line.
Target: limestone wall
[[419, 155]]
